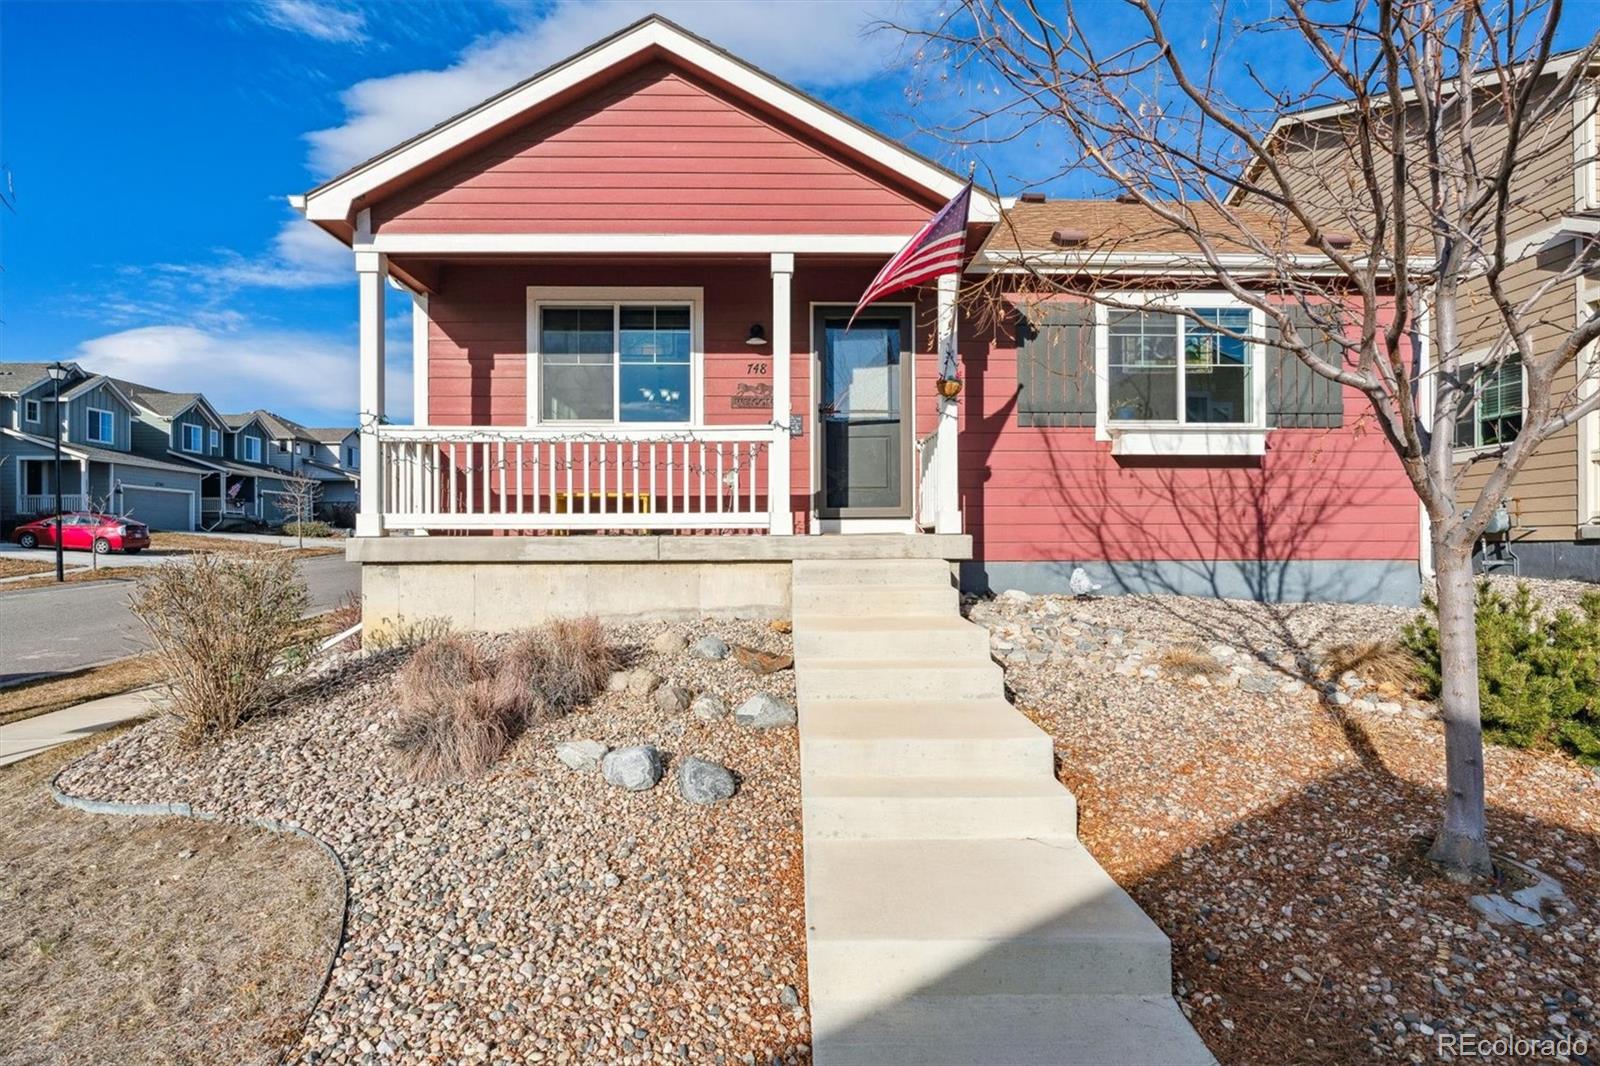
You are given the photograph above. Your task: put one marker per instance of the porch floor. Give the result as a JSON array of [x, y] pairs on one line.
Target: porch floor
[[581, 548]]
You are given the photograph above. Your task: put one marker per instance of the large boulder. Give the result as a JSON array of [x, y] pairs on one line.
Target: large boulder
[[672, 698], [765, 712], [709, 706], [702, 781], [710, 647], [582, 754], [642, 682], [669, 643], [636, 768]]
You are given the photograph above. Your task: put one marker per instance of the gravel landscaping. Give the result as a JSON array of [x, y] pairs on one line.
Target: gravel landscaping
[[536, 913], [1276, 834]]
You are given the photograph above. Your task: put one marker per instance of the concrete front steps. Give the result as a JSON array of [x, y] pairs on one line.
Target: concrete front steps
[[952, 915]]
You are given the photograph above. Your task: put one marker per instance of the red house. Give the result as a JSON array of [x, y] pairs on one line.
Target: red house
[[631, 276]]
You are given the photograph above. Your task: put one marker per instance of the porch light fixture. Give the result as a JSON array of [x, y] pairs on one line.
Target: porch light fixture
[[758, 336]]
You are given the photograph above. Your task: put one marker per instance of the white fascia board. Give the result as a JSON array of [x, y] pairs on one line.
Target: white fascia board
[[1175, 263], [630, 243], [334, 201], [43, 442]]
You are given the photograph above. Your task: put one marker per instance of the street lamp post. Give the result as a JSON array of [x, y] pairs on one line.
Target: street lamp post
[[57, 372]]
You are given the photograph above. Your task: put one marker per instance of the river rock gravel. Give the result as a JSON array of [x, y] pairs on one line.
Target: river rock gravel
[[534, 913], [1273, 825]]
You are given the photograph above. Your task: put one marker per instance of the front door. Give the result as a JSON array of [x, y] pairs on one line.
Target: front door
[[864, 413]]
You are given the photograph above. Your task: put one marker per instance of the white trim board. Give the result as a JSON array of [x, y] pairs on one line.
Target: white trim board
[[631, 243], [336, 200]]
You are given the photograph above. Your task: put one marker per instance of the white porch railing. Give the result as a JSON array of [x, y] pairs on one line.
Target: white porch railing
[[537, 478], [928, 481], [46, 504]]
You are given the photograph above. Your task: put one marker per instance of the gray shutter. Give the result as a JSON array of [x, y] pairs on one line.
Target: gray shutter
[[1055, 366], [1297, 396]]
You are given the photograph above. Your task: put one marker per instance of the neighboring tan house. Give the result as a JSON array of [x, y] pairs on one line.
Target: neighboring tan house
[[103, 465], [1555, 198], [631, 277]]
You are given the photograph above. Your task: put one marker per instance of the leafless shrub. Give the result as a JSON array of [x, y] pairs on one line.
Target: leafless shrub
[[1189, 660], [1385, 664], [226, 631], [555, 667], [453, 721]]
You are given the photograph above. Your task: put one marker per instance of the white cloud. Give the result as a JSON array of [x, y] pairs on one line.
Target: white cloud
[[303, 256], [325, 22], [303, 375], [798, 40]]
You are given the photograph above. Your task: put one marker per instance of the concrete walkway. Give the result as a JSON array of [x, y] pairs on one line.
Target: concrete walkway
[[952, 916], [33, 736]]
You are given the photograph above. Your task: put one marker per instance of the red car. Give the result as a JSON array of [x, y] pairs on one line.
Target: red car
[[100, 533]]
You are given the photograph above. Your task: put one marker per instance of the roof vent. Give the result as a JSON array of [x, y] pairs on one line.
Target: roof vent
[[1068, 236], [1339, 240], [1127, 197], [1032, 197]]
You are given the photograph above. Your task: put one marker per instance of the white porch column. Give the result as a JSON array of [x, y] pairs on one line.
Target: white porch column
[[372, 272], [946, 458], [780, 517]]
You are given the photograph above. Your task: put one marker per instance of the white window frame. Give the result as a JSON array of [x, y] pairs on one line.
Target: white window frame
[[214, 440], [91, 423], [1585, 147], [1152, 438], [37, 411], [199, 438], [693, 296], [252, 444], [1469, 365]]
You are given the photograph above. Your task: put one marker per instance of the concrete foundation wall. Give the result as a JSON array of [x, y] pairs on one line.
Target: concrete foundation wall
[[1571, 560], [497, 597], [1271, 581]]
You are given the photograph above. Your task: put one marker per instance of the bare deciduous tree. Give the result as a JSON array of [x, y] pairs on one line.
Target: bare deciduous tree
[[1414, 191], [299, 504]]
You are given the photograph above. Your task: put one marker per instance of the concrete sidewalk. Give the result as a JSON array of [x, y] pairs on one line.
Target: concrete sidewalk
[[33, 736]]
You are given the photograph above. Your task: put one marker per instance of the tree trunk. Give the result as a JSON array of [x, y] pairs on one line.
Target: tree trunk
[[1461, 847]]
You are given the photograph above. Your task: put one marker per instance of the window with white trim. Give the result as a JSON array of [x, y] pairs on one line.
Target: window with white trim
[[31, 411], [616, 362], [252, 449], [352, 456], [1494, 415], [1163, 367], [216, 440], [192, 438], [101, 427]]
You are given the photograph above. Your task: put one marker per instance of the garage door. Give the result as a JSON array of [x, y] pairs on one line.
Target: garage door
[[157, 509]]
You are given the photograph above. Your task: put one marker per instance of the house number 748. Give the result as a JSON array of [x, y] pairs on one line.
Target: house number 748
[[755, 368]]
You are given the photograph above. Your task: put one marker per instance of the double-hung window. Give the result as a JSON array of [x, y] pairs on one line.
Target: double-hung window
[[101, 429], [216, 440], [1166, 367], [616, 362], [192, 438], [1494, 414], [252, 449], [30, 411]]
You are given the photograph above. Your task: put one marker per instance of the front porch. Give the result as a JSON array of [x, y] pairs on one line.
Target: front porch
[[504, 583], [764, 434]]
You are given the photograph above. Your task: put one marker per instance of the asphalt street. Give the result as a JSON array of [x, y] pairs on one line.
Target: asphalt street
[[71, 626]]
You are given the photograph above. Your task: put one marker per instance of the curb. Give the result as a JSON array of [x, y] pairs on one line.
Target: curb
[[273, 825]]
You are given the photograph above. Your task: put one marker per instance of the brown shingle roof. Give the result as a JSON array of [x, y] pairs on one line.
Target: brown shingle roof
[[1108, 226]]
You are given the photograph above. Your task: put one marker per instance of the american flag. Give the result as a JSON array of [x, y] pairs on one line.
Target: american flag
[[936, 249]]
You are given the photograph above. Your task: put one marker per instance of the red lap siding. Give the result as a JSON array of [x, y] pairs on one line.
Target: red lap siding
[[658, 152]]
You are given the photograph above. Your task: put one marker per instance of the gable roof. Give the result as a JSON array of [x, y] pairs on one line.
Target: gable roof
[[337, 200], [329, 434], [281, 428], [164, 404], [17, 378], [92, 382]]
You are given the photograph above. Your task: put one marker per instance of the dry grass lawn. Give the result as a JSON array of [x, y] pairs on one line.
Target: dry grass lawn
[[69, 690], [48, 577], [145, 940], [21, 567]]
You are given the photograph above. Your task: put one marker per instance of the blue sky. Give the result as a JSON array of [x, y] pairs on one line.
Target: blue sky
[[151, 147]]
